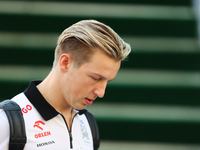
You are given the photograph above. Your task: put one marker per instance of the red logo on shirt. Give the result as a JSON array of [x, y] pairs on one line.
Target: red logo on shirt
[[40, 135], [26, 109], [38, 123]]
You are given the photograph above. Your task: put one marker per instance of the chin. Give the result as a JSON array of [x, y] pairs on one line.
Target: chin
[[80, 107]]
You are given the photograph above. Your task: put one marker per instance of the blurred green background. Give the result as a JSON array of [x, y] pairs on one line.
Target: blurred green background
[[153, 104]]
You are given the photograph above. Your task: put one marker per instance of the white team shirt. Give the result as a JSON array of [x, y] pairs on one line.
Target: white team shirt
[[46, 129]]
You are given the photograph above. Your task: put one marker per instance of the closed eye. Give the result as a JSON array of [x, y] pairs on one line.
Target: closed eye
[[94, 78]]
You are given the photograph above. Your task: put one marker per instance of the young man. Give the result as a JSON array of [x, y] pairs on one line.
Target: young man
[[88, 56]]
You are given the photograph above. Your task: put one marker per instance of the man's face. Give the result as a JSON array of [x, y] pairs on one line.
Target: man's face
[[83, 85]]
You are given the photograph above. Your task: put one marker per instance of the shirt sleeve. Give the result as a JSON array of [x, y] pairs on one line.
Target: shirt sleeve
[[5, 131]]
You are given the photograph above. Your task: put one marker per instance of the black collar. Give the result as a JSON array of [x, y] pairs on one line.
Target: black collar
[[39, 102]]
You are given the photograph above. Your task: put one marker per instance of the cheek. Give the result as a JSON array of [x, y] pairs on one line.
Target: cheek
[[83, 87], [80, 84]]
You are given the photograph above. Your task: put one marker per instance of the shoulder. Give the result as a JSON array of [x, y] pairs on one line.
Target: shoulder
[[5, 131], [4, 125]]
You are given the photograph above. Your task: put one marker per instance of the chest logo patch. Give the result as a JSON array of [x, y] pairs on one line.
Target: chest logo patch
[[84, 131]]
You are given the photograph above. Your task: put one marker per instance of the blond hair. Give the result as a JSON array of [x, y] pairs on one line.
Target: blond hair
[[83, 37]]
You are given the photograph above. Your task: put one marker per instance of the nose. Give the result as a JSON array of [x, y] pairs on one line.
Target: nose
[[100, 90]]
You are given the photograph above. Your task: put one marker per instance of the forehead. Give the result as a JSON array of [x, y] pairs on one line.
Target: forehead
[[102, 64]]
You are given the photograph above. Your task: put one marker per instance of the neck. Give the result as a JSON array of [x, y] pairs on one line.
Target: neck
[[50, 90]]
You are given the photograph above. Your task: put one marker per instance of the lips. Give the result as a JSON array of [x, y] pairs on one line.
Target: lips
[[88, 101]]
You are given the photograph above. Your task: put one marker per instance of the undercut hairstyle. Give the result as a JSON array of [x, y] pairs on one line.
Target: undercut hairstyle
[[84, 37]]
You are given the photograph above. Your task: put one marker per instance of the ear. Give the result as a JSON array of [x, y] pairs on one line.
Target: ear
[[64, 62]]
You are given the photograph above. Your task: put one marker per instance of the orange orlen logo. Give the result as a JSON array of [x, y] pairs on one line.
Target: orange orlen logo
[[38, 123]]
